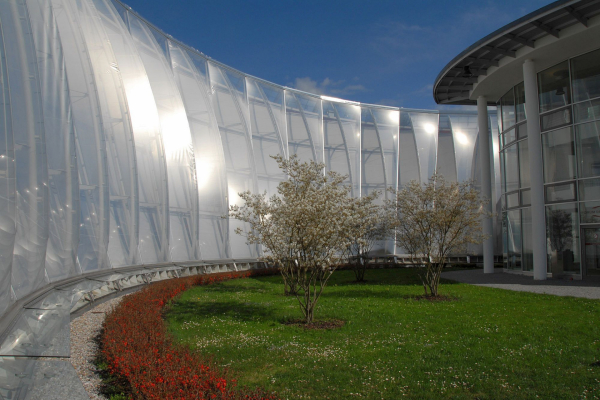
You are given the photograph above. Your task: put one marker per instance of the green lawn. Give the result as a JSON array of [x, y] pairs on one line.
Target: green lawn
[[486, 344]]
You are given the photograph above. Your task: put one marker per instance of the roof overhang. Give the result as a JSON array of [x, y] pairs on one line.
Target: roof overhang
[[554, 33]]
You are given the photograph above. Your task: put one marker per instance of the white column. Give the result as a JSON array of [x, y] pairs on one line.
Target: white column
[[534, 140], [486, 183]]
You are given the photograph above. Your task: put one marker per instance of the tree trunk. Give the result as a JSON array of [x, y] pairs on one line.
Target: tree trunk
[[359, 269]]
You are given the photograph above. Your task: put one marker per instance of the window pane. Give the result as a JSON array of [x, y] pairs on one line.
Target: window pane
[[512, 200], [499, 114], [559, 155], [511, 168], [508, 109], [587, 111], [586, 76], [504, 233], [563, 238], [509, 137], [590, 212], [588, 146], [589, 189], [526, 197], [560, 192], [527, 239], [524, 163], [556, 119], [514, 239], [522, 131], [520, 102], [503, 172], [553, 85]]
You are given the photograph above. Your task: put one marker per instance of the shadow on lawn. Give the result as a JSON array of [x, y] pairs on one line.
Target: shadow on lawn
[[363, 293], [403, 278], [244, 311]]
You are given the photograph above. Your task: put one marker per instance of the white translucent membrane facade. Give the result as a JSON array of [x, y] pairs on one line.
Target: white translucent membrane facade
[[447, 157], [28, 136], [103, 134], [304, 125], [379, 150], [341, 134], [149, 150], [8, 192], [231, 109], [267, 118], [379, 156], [425, 129], [190, 72], [464, 140], [120, 146], [63, 187], [177, 141]]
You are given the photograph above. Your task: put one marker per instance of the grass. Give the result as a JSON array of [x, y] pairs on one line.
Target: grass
[[486, 344]]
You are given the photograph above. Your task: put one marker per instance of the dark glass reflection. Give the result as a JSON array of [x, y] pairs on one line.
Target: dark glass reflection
[[554, 87]]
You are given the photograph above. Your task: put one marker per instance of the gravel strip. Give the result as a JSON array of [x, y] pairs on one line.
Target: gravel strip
[[84, 330]]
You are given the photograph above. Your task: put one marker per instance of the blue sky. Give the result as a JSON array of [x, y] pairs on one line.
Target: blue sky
[[381, 52]]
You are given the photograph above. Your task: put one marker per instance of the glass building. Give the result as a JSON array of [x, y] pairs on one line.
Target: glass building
[[542, 72], [121, 150]]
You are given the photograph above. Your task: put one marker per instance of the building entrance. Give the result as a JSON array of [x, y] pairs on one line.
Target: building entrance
[[591, 251]]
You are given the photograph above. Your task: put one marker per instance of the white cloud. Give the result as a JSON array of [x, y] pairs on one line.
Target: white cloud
[[308, 85], [327, 86]]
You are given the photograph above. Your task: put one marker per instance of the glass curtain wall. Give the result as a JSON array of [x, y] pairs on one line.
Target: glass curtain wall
[[559, 158], [569, 96], [515, 181], [571, 103]]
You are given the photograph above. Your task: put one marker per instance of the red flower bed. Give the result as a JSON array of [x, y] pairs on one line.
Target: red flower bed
[[137, 348]]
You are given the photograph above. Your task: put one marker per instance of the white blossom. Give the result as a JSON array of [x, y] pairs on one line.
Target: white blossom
[[433, 220], [305, 229]]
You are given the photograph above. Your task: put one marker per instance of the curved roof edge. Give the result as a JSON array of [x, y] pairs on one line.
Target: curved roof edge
[[453, 85]]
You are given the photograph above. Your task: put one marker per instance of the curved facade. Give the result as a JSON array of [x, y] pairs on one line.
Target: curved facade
[[122, 146], [543, 74]]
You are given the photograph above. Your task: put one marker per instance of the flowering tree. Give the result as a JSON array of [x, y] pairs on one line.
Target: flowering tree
[[372, 226], [303, 228], [433, 220]]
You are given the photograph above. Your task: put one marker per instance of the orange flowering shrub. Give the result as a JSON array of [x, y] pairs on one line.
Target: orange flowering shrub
[[137, 348]]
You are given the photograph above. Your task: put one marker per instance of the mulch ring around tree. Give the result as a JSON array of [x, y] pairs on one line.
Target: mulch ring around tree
[[316, 325]]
